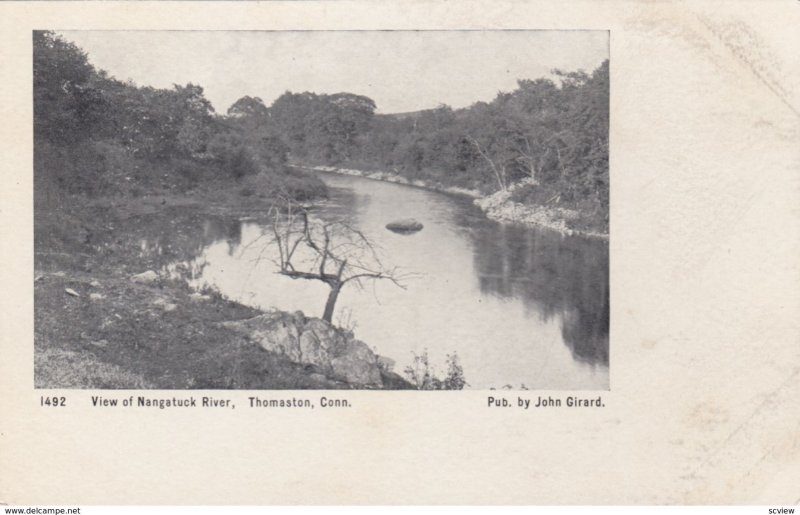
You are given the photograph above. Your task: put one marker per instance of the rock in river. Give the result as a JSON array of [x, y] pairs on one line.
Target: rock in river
[[405, 226]]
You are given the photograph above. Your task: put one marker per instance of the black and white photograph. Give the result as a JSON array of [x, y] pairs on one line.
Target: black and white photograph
[[292, 210], [237, 233]]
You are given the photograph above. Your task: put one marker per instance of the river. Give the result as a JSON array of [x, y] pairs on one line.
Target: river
[[520, 307]]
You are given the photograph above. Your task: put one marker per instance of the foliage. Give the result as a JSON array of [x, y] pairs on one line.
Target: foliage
[[322, 127], [248, 107], [296, 185], [67, 106], [96, 135], [78, 168], [423, 375], [233, 158], [554, 133], [455, 374]]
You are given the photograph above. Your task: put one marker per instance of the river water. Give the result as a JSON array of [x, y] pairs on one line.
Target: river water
[[521, 307]]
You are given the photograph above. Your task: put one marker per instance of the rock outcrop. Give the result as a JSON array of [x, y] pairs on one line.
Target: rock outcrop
[[315, 342]]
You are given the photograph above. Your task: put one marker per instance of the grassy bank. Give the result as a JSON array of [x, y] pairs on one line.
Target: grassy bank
[[95, 327]]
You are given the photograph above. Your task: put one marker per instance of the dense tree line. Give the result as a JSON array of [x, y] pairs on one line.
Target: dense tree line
[[547, 139], [95, 134], [554, 133]]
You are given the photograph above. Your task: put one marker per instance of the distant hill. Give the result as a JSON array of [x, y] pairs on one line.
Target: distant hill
[[404, 116]]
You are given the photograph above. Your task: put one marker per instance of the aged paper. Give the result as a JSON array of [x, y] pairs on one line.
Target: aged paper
[[701, 403]]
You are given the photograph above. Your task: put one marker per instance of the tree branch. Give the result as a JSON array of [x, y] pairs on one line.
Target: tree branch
[[500, 178], [297, 274]]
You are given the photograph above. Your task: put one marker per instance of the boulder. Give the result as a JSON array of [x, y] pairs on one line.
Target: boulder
[[386, 364], [275, 332], [406, 226], [313, 341], [317, 341], [356, 363]]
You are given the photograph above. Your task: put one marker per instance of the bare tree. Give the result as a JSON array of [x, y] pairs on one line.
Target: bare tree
[[332, 252], [497, 166]]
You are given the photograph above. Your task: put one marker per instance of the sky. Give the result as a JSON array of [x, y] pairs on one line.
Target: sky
[[401, 71]]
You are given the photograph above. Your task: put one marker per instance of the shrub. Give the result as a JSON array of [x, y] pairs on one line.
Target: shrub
[[232, 158], [240, 163], [292, 185], [455, 374], [80, 169], [423, 375]]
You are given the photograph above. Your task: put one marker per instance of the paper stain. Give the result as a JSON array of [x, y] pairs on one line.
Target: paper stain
[[749, 49], [720, 38], [707, 416]]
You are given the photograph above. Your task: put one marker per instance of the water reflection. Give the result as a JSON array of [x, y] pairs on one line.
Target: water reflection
[[552, 275], [519, 306], [184, 238]]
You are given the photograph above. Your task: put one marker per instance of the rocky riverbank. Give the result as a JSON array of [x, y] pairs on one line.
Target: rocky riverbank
[[497, 206], [334, 352]]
